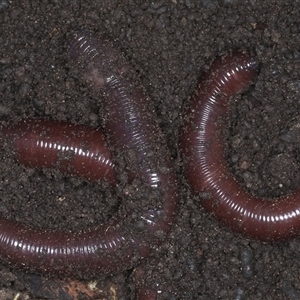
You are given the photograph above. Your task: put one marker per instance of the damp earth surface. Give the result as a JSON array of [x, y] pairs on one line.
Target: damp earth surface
[[169, 43]]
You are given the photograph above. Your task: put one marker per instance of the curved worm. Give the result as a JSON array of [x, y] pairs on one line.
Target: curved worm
[[205, 167], [132, 130], [77, 150]]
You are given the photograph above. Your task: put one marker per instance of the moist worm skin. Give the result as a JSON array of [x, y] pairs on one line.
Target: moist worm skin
[[77, 150], [131, 127], [41, 143], [205, 167]]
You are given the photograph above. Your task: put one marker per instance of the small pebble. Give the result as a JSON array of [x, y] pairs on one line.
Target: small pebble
[[247, 262]]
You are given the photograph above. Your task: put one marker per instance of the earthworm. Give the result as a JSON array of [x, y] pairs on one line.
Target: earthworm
[[77, 150], [132, 131], [205, 167]]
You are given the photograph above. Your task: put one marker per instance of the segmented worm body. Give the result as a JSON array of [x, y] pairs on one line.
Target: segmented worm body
[[77, 150], [205, 167], [132, 131]]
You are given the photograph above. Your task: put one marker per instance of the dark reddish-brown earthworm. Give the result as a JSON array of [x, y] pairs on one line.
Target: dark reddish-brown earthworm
[[132, 131], [77, 150], [205, 167]]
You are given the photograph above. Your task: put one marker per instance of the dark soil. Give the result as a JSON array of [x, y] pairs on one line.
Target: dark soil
[[169, 43]]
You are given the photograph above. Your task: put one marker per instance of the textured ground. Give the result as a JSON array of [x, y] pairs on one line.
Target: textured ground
[[169, 43]]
